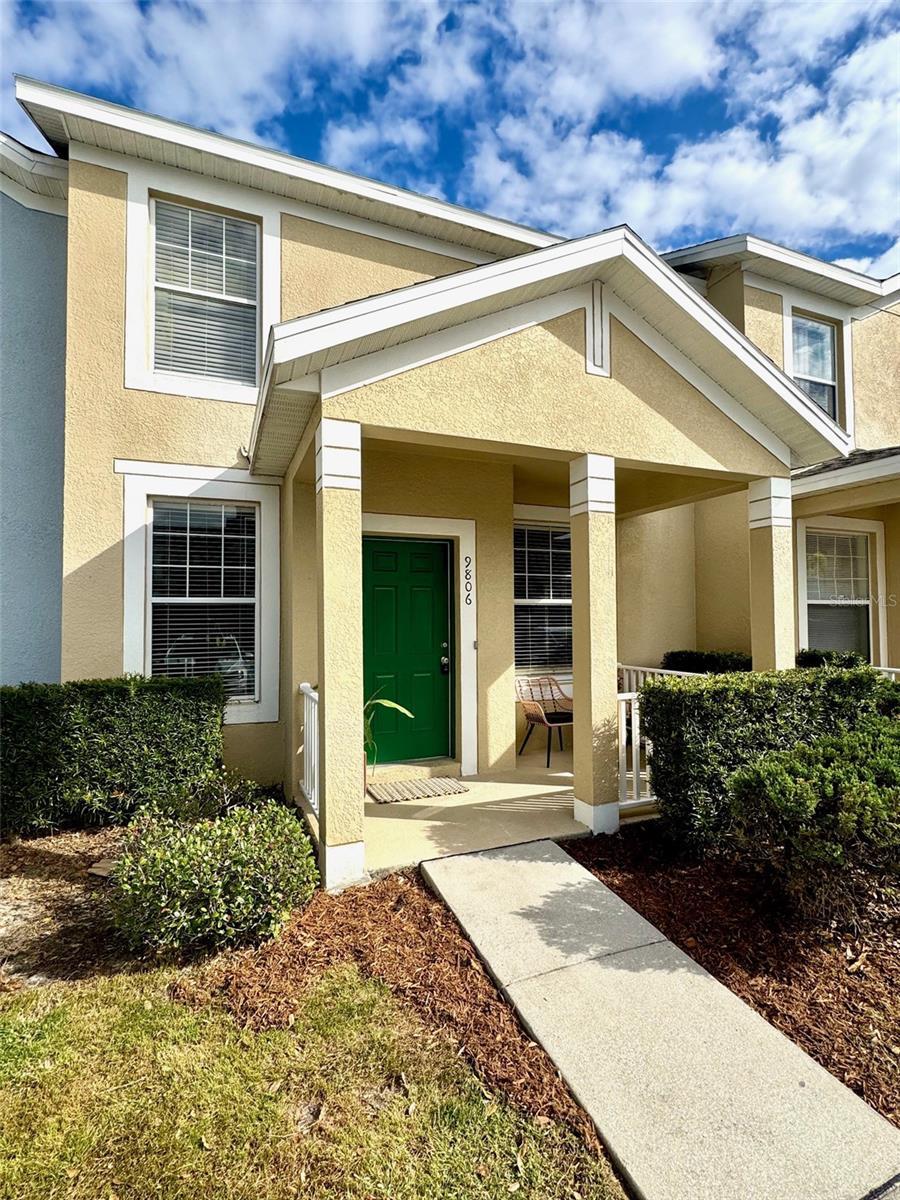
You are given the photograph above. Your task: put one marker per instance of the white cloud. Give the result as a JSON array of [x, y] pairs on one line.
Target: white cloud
[[879, 267], [545, 98]]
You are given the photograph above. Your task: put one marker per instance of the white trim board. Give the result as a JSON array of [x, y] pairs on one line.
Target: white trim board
[[558, 515], [130, 466], [875, 530], [54, 104], [139, 489], [852, 475], [462, 531]]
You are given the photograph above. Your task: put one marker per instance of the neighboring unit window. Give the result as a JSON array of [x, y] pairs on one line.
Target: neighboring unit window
[[543, 598], [815, 361], [203, 592], [838, 595], [205, 318]]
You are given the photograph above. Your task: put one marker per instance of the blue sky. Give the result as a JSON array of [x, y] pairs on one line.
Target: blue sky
[[686, 120]]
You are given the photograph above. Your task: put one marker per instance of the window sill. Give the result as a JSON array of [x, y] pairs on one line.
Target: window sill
[[197, 387], [250, 712]]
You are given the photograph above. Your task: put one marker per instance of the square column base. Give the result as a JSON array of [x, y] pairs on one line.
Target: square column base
[[599, 818], [341, 866]]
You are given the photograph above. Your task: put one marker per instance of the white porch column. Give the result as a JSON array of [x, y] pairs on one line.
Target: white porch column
[[772, 628], [339, 550], [592, 500]]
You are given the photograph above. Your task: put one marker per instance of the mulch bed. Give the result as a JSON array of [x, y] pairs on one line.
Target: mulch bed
[[52, 918], [835, 993], [395, 930]]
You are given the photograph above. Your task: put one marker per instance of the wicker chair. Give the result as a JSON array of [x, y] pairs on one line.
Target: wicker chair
[[544, 703]]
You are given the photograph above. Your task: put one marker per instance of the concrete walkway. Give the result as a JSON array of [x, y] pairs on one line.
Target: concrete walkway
[[695, 1096]]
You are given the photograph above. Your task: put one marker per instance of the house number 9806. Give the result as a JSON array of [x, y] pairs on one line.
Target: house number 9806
[[467, 577]]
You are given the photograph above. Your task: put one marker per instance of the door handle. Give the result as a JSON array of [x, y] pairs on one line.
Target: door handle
[[445, 665]]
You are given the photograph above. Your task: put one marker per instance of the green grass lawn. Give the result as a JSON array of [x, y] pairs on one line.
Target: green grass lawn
[[108, 1088]]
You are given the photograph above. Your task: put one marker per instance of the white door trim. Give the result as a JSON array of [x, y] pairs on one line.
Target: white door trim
[[462, 531], [875, 530]]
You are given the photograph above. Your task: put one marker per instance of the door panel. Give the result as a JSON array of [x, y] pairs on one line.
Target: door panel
[[406, 633]]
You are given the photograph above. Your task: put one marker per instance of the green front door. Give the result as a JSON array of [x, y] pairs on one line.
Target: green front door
[[406, 645]]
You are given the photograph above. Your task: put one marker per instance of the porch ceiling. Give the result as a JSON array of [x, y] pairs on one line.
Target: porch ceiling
[[299, 350]]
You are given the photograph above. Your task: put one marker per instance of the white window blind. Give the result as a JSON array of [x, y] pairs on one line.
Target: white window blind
[[543, 598], [205, 302], [838, 592], [203, 592], [815, 361]]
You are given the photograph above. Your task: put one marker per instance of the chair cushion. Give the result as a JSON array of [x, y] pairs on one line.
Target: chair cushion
[[559, 718]]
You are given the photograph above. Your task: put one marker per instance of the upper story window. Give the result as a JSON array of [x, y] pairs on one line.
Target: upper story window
[[816, 361], [205, 294]]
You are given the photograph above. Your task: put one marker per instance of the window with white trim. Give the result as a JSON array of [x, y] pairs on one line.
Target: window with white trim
[[838, 591], [206, 283], [203, 593], [543, 597], [816, 361]]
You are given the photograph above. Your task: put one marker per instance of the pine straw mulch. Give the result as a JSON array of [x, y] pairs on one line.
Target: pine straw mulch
[[394, 930], [53, 923], [835, 993]]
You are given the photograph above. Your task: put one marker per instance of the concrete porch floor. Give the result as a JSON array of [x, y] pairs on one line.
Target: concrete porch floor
[[500, 809]]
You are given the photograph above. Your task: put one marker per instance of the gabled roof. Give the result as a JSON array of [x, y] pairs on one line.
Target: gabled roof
[[65, 116], [789, 266], [617, 257]]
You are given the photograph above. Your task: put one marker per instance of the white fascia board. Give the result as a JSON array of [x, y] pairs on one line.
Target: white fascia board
[[29, 199], [747, 246], [32, 161], [852, 475], [348, 323], [140, 124], [304, 337]]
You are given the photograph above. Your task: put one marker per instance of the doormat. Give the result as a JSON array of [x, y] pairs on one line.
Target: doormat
[[415, 789]]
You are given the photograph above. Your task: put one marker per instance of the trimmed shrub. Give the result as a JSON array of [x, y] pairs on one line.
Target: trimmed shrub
[[90, 752], [214, 794], [705, 729], [830, 658], [822, 818], [707, 662], [887, 696], [214, 882]]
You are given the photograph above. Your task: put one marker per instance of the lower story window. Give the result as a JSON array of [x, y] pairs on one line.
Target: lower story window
[[203, 592], [838, 592], [543, 598]]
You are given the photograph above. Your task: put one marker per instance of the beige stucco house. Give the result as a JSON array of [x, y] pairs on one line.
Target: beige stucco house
[[321, 431]]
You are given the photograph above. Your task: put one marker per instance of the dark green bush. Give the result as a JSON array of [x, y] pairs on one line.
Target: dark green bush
[[90, 752], [706, 662], [830, 658], [823, 818], [213, 882], [887, 696], [705, 729]]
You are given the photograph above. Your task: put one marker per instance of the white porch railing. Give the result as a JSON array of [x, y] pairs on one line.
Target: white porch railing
[[310, 784], [633, 677], [891, 672], [634, 756]]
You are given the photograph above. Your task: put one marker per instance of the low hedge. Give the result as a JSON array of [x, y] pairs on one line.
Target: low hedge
[[823, 818], [705, 729], [706, 662], [90, 752], [211, 883], [830, 658]]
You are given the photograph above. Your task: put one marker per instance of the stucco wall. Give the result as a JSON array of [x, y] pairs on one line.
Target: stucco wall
[[876, 379], [105, 421], [656, 599], [531, 388], [764, 322], [322, 266], [722, 573], [32, 399]]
